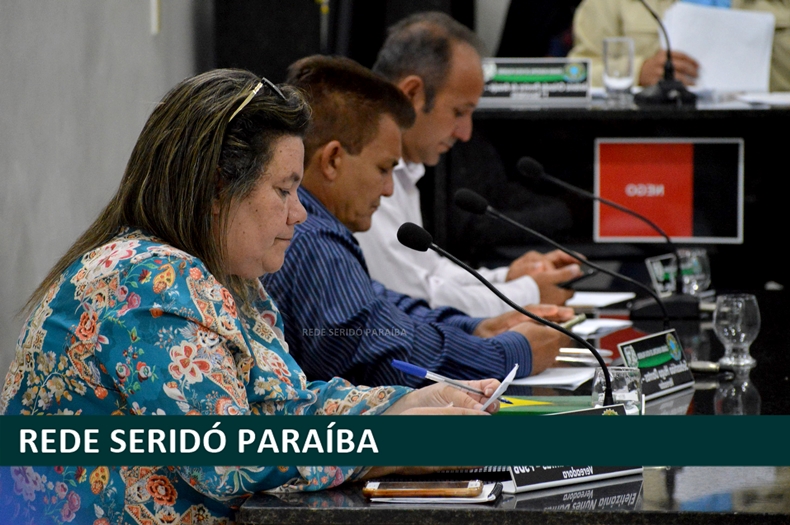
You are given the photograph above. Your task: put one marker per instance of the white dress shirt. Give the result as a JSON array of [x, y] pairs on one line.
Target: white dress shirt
[[427, 275]]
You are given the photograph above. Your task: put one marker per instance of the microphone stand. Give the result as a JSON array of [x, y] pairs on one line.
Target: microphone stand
[[681, 305], [668, 91], [607, 397], [657, 300]]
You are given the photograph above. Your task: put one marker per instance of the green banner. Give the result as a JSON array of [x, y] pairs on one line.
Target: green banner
[[398, 440]]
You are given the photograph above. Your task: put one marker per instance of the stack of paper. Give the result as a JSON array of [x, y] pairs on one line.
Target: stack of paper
[[732, 46], [598, 299]]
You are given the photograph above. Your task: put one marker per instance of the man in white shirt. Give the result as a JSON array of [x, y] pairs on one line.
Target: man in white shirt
[[435, 61]]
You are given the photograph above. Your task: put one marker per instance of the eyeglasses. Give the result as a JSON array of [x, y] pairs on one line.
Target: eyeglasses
[[254, 92]]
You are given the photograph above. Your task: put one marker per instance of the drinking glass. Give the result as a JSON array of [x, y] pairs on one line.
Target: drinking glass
[[626, 388], [694, 270], [618, 69], [736, 322], [738, 397]]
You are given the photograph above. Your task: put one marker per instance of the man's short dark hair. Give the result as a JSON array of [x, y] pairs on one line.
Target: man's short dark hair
[[348, 101], [421, 44]]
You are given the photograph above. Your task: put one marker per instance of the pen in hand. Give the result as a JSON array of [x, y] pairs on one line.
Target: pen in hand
[[413, 370]]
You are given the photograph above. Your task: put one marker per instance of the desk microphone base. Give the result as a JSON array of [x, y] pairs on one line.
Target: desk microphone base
[[666, 93], [678, 307]]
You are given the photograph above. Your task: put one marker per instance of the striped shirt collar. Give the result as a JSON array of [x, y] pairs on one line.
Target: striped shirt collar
[[317, 211]]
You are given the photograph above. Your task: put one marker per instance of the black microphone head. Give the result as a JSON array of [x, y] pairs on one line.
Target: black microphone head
[[531, 169], [415, 237], [470, 201]]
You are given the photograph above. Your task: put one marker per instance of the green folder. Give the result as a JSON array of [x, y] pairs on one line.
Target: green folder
[[542, 405]]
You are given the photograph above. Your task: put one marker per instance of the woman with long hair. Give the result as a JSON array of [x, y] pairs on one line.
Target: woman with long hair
[[157, 309]]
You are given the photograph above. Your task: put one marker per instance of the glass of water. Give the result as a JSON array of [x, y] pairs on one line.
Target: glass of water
[[626, 388], [618, 69], [736, 322]]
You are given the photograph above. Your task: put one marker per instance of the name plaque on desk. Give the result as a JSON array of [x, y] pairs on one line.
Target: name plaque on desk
[[609, 494], [525, 479], [520, 82], [661, 363]]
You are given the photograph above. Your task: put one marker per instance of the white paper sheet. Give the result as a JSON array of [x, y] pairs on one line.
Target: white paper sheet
[[567, 378], [778, 99], [598, 299], [600, 327], [502, 387], [732, 46]]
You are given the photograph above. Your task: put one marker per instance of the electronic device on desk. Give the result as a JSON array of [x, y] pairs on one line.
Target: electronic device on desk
[[432, 492], [573, 284], [422, 489]]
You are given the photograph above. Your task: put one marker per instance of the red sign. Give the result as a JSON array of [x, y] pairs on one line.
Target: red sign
[[654, 179]]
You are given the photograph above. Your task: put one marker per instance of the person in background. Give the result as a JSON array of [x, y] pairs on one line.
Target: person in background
[[538, 28], [340, 321], [157, 310], [595, 20], [435, 62]]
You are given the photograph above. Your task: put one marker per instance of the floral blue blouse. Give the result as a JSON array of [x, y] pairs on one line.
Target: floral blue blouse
[[136, 327]]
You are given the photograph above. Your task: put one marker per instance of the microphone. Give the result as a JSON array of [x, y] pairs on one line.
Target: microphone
[[683, 306], [474, 203], [668, 91], [416, 238]]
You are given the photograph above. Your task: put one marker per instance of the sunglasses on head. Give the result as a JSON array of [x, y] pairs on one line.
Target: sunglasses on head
[[254, 91]]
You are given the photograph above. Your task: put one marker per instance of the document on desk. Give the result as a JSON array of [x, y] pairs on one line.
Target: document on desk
[[569, 378], [490, 492], [598, 299], [732, 46], [595, 328]]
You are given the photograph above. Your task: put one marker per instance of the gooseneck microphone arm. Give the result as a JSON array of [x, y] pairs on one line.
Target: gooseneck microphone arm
[[472, 202], [532, 169], [669, 90], [415, 237], [669, 67]]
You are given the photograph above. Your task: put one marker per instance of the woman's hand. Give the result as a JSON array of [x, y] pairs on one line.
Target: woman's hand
[[443, 399]]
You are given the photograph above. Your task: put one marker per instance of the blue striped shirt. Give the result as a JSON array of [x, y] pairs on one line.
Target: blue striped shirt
[[340, 322]]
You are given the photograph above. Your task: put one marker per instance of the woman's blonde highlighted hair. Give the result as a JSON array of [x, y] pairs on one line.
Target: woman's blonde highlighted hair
[[190, 157]]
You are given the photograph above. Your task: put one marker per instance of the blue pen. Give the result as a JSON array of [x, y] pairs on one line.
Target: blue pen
[[413, 370]]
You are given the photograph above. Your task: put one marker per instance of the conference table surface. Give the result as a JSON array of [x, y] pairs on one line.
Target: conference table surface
[[677, 495]]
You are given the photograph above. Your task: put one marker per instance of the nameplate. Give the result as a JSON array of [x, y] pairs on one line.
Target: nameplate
[[661, 363], [608, 410], [524, 479], [610, 494], [663, 271], [518, 82]]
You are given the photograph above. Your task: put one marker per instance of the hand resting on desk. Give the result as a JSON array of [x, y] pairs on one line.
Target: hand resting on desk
[[548, 270], [496, 325]]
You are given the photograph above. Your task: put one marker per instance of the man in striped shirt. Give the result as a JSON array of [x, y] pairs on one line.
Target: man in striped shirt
[[339, 321]]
